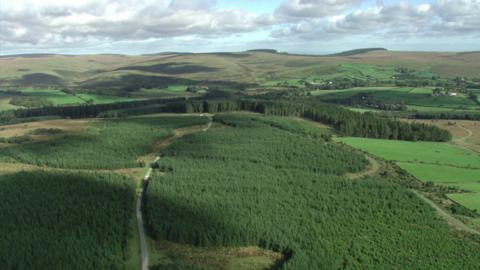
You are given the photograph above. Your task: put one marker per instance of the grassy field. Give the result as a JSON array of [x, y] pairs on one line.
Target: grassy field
[[441, 163], [5, 104], [418, 152], [471, 200], [57, 97], [466, 134]]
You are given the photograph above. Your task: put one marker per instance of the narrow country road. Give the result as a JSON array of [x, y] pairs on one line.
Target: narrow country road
[[469, 133], [141, 193], [141, 230], [448, 218], [210, 121]]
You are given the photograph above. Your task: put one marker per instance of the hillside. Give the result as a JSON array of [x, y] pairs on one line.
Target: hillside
[[256, 66]]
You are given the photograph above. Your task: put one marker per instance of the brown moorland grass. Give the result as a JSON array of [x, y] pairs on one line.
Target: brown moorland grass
[[221, 258], [66, 125], [465, 133], [245, 67]]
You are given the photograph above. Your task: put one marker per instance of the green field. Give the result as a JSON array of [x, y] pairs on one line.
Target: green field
[[440, 163], [56, 96], [5, 104], [441, 173], [470, 200], [419, 152]]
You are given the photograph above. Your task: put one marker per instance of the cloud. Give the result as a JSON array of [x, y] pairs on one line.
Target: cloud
[[48, 22], [300, 9], [53, 24], [402, 20]]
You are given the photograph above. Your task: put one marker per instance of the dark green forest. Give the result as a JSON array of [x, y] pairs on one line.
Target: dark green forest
[[109, 144], [65, 220], [346, 122], [254, 183]]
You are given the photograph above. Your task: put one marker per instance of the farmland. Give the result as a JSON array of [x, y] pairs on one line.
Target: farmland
[[441, 163], [51, 97]]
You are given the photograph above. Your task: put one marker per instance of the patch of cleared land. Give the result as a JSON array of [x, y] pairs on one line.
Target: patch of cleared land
[[22, 129], [228, 258], [465, 133]]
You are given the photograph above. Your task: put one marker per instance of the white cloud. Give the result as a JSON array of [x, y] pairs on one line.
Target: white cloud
[[402, 20], [54, 24], [300, 9]]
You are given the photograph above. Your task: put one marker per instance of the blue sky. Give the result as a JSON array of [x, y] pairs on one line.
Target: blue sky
[[300, 26]]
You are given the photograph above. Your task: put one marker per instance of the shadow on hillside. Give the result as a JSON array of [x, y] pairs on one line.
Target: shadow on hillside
[[172, 68], [64, 220], [198, 233]]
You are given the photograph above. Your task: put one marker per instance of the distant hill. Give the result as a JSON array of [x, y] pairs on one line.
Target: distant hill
[[28, 55], [357, 51], [260, 66], [471, 52], [263, 50]]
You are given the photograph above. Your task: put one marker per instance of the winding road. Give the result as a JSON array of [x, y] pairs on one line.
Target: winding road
[[141, 193]]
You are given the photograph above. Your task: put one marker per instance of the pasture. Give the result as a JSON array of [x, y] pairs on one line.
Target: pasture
[[56, 97], [5, 103], [441, 163]]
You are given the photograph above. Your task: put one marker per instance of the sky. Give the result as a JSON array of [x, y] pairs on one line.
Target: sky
[[296, 26]]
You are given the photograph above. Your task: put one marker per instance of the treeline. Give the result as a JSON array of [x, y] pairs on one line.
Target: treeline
[[370, 101], [65, 220], [447, 115], [81, 111], [347, 122], [30, 102]]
